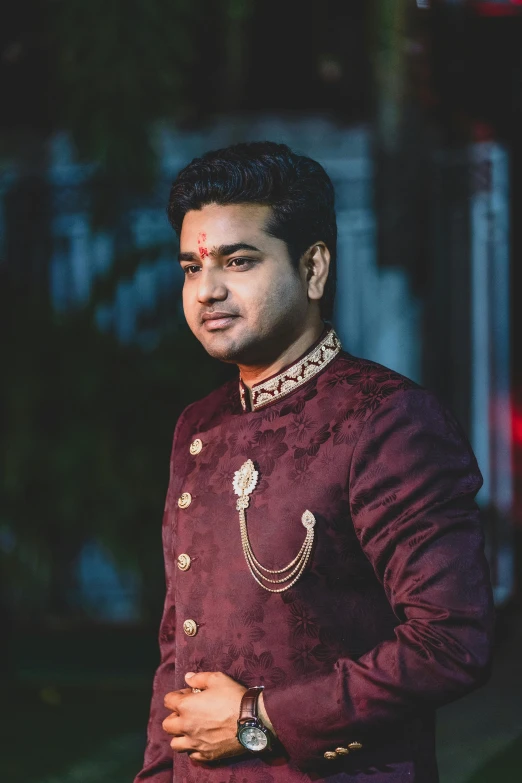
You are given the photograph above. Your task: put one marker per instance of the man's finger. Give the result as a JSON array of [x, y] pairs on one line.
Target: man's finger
[[173, 725], [199, 680], [181, 745], [197, 756], [173, 699]]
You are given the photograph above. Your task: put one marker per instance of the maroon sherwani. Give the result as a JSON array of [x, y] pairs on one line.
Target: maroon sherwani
[[392, 616]]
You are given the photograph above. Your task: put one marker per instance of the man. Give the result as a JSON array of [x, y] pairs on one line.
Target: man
[[326, 582]]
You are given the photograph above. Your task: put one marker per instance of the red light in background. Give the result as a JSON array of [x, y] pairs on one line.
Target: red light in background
[[505, 8], [517, 427]]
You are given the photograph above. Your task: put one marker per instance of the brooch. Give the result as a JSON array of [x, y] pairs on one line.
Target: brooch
[[244, 483]]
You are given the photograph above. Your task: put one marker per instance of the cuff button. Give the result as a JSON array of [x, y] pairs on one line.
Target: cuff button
[[342, 751], [330, 755], [355, 746]]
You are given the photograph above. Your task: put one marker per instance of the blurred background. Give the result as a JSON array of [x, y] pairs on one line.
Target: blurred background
[[415, 109]]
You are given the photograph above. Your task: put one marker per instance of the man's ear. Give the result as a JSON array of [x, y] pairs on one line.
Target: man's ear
[[315, 263]]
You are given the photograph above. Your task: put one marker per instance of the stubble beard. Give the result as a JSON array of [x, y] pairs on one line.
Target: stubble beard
[[254, 347], [275, 326], [237, 350]]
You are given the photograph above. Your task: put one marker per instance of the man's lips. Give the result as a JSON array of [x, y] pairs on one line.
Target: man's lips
[[217, 320]]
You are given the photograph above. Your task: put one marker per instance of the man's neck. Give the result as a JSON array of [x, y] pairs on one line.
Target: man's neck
[[253, 374]]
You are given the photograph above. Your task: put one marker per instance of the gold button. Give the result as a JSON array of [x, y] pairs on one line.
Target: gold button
[[330, 755], [196, 446], [342, 751], [185, 500], [355, 746], [190, 627], [184, 562]]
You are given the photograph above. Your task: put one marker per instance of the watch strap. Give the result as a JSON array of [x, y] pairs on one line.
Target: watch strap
[[248, 709]]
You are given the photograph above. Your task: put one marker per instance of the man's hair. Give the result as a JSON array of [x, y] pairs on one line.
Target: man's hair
[[298, 190]]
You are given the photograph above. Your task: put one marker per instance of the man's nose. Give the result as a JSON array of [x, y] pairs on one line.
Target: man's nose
[[211, 287]]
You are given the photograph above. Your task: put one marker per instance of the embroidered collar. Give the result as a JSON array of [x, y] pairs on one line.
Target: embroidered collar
[[294, 375]]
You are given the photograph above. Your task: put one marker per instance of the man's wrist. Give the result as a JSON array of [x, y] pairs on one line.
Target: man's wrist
[[263, 714]]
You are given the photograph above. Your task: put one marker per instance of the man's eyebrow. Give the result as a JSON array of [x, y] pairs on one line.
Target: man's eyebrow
[[222, 250], [227, 250], [187, 257]]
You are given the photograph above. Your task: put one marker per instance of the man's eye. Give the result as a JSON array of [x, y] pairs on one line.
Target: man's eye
[[241, 262], [191, 270]]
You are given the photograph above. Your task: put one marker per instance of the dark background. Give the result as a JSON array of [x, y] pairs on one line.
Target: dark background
[[87, 414]]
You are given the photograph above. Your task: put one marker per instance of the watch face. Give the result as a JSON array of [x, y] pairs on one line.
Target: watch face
[[253, 738]]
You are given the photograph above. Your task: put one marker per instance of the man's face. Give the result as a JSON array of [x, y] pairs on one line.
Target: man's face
[[242, 297]]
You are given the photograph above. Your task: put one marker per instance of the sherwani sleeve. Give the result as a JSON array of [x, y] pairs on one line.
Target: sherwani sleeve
[[412, 482], [158, 761]]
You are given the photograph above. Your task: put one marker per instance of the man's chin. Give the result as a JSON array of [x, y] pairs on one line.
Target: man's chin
[[219, 347], [224, 347]]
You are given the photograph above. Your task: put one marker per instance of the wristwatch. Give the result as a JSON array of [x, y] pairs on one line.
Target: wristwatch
[[251, 732]]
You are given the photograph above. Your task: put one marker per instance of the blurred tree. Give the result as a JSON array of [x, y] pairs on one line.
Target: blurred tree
[[403, 138], [85, 447], [107, 71], [238, 14], [117, 68]]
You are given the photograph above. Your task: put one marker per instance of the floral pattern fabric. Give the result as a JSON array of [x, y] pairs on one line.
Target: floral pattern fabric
[[393, 614]]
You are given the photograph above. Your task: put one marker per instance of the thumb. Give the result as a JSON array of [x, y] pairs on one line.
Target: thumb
[[198, 680]]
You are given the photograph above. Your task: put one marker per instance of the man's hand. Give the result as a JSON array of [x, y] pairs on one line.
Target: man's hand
[[205, 724]]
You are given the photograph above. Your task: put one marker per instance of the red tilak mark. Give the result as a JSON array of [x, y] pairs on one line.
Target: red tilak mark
[[203, 252], [202, 238]]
